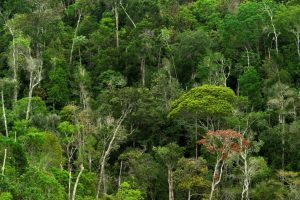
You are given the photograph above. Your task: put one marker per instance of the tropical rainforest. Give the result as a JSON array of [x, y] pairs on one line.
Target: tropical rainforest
[[149, 99]]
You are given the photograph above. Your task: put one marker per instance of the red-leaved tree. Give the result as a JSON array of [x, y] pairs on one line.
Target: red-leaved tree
[[222, 143]]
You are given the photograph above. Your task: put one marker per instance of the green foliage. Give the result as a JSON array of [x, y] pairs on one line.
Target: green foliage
[[93, 55], [192, 174], [37, 104], [36, 184], [206, 100], [250, 86], [126, 192], [58, 90], [169, 154], [16, 154], [43, 148], [6, 196]]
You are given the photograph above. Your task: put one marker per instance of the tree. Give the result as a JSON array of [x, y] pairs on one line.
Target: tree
[[207, 104], [187, 50], [244, 29], [38, 106], [133, 164], [191, 175], [215, 68], [112, 131], [169, 155], [292, 182], [222, 143], [38, 184], [70, 143], [270, 11], [287, 18], [58, 88], [250, 86], [282, 98], [127, 192]]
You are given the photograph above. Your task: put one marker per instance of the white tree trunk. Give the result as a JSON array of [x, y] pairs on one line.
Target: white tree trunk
[[246, 182], [297, 35], [116, 13], [69, 185], [75, 34], [101, 180], [127, 14], [4, 113], [29, 97], [189, 195], [14, 64], [143, 71], [4, 160], [171, 185], [120, 174], [35, 68], [276, 34], [77, 181], [218, 171]]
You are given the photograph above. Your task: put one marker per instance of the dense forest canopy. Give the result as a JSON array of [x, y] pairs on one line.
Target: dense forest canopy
[[149, 99]]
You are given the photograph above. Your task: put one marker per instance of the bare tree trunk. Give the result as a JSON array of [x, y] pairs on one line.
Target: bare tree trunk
[[276, 34], [196, 138], [248, 58], [143, 73], [283, 142], [75, 34], [297, 35], [90, 163], [4, 113], [107, 152], [120, 174], [171, 185], [69, 185], [246, 184], [29, 97], [225, 73], [35, 67], [127, 14], [4, 160], [14, 64], [116, 13], [77, 181], [218, 171], [189, 195]]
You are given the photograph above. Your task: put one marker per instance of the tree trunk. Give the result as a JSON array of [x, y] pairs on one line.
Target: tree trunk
[[283, 143], [107, 152], [35, 68], [4, 113], [143, 73], [276, 34], [248, 58], [189, 194], [120, 174], [75, 34], [69, 185], [127, 14], [196, 138], [246, 184], [14, 65], [77, 181], [170, 182], [216, 180], [29, 97], [4, 160], [116, 13], [297, 34]]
